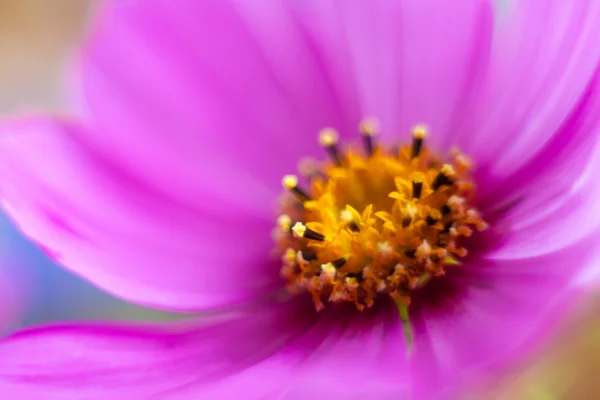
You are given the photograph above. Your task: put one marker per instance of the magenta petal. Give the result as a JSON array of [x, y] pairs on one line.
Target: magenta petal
[[250, 355], [306, 65], [556, 195], [414, 62], [356, 356], [492, 314], [276, 352], [544, 58], [123, 234], [214, 96]]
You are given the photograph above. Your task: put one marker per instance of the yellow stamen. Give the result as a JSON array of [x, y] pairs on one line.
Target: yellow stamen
[[289, 256], [419, 134], [381, 223], [302, 231], [328, 271], [328, 137], [369, 127], [289, 182], [284, 222]]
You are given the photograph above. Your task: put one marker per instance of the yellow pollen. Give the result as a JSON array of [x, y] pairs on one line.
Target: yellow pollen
[[289, 182], [346, 216], [375, 221], [299, 230], [384, 248], [284, 222], [368, 127], [328, 270], [455, 201], [289, 257], [328, 137], [410, 210], [448, 170], [424, 250], [308, 167], [419, 132]]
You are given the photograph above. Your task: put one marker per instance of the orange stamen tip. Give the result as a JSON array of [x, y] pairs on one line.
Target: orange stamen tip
[[418, 177], [419, 132], [369, 127], [289, 182], [328, 137]]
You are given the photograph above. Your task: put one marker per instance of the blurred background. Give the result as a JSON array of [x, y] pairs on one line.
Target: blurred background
[[36, 39]]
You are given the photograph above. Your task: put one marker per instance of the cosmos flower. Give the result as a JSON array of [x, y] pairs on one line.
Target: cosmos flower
[[442, 218]]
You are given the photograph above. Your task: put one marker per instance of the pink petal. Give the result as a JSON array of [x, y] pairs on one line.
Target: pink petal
[[489, 315], [213, 98], [556, 192], [305, 67], [414, 62], [216, 360], [123, 234], [544, 59], [277, 352], [359, 355]]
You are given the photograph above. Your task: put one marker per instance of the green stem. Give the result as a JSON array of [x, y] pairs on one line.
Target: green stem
[[406, 326]]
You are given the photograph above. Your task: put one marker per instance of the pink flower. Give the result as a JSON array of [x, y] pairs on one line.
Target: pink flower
[[164, 189]]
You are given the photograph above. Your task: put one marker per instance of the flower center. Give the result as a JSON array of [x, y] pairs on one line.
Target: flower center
[[372, 222]]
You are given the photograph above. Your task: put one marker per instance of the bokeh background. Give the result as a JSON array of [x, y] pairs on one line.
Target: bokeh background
[[37, 38]]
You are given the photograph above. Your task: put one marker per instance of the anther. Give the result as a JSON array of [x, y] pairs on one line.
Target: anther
[[302, 231], [368, 130], [347, 217], [423, 250], [306, 256], [384, 248], [419, 133], [290, 182], [411, 212], [328, 138], [447, 227], [328, 270], [417, 186], [444, 177], [309, 168], [352, 282], [284, 222], [339, 263], [357, 277], [455, 201], [289, 256]]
